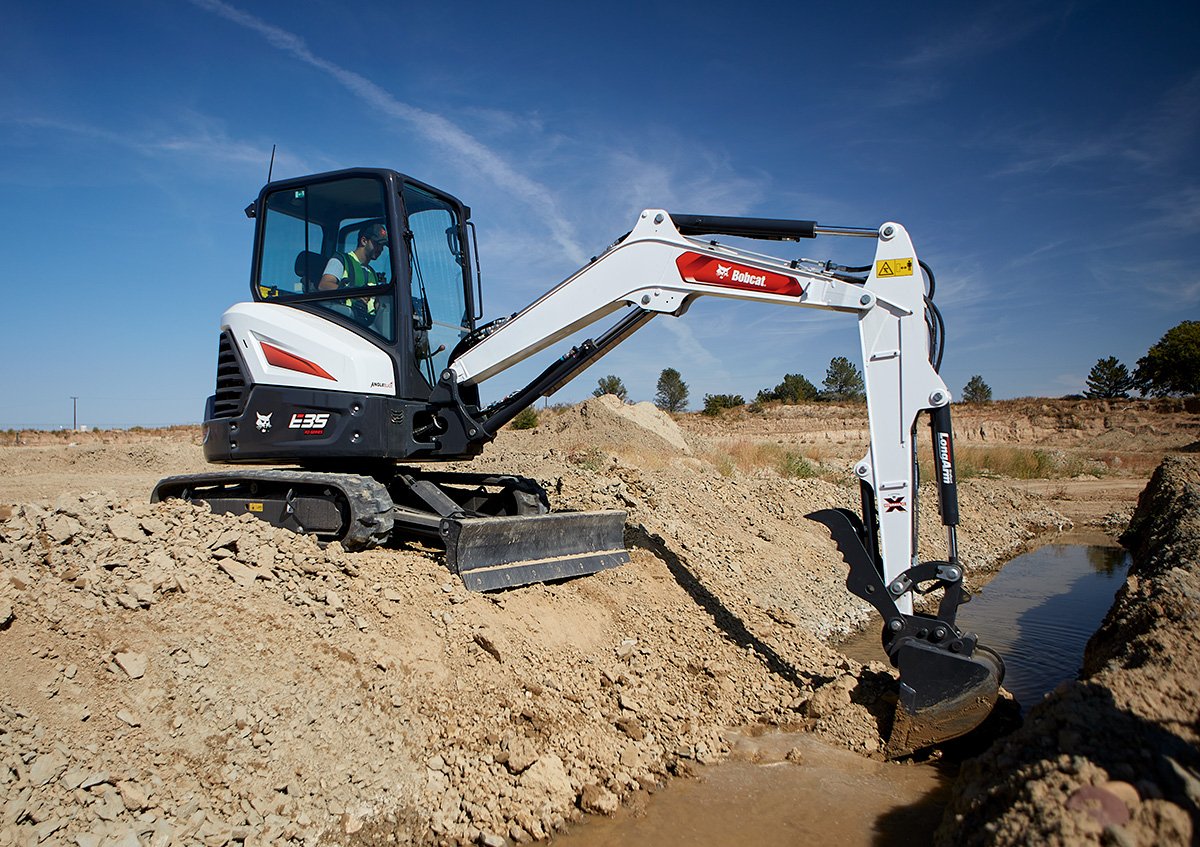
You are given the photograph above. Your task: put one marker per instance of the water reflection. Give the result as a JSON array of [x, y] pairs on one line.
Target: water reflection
[[1042, 608], [1108, 560]]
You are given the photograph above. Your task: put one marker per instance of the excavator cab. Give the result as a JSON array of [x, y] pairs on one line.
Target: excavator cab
[[410, 291]]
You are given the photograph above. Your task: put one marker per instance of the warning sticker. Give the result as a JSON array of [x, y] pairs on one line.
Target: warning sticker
[[893, 267]]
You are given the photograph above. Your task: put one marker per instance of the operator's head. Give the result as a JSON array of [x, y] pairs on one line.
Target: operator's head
[[376, 237]]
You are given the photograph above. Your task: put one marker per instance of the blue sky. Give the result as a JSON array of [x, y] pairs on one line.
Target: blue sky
[[1042, 155]]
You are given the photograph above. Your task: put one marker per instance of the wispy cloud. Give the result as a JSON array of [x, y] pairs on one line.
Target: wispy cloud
[[435, 128], [195, 137], [929, 71], [689, 348], [1164, 285], [692, 181], [1176, 212], [1158, 135], [990, 29]]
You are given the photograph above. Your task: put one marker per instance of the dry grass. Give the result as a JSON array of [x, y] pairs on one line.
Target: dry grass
[[1015, 462], [1130, 463], [749, 456]]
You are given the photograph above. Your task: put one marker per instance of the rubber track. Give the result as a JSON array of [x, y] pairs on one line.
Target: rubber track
[[370, 504]]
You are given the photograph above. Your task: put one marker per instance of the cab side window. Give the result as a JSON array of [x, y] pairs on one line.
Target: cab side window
[[313, 233]]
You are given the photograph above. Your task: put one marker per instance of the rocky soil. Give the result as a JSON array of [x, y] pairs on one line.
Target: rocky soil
[[168, 676], [1113, 757]]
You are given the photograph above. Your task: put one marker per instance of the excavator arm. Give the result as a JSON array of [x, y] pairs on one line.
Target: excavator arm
[[948, 682]]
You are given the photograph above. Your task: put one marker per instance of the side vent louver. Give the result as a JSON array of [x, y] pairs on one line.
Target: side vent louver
[[231, 382]]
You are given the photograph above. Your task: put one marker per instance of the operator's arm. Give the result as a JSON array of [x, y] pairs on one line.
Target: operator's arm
[[331, 279]]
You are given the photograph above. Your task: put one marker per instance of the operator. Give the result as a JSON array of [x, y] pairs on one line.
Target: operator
[[353, 269]]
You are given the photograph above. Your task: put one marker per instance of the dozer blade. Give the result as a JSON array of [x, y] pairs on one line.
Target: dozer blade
[[490, 553], [943, 695]]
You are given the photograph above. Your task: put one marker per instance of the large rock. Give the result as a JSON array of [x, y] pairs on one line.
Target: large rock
[[549, 777]]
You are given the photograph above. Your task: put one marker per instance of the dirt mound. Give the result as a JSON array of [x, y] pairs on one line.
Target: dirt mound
[[609, 423], [1112, 758], [201, 676], [171, 675]]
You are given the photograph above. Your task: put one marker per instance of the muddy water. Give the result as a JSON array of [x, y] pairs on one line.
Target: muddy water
[[824, 795], [1038, 612]]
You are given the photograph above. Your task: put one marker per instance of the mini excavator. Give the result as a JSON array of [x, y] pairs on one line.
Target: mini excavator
[[359, 362]]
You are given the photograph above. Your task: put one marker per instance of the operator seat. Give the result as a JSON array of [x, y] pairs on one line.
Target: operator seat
[[309, 267]]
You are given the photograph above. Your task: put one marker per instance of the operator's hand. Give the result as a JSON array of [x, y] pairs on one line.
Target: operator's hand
[[358, 308]]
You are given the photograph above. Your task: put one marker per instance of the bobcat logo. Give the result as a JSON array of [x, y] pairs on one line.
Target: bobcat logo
[[264, 421], [722, 271]]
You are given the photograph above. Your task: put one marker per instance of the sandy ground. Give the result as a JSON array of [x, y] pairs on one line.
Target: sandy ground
[[172, 677]]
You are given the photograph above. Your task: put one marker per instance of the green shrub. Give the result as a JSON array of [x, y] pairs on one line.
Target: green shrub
[[527, 418], [714, 404], [796, 466]]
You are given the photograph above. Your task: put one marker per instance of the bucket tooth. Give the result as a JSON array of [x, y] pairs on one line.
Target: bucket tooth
[[943, 695], [491, 553]]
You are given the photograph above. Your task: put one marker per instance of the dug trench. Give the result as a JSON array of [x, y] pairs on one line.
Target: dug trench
[[168, 676]]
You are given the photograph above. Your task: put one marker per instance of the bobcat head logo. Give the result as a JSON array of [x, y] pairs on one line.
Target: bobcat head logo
[[264, 421], [722, 271]]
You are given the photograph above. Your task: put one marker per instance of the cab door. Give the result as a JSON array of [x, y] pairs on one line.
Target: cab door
[[439, 277]]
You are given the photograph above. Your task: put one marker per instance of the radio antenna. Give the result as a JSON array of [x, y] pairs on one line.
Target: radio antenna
[[271, 167]]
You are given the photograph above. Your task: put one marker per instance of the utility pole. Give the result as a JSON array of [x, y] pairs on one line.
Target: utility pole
[[74, 416]]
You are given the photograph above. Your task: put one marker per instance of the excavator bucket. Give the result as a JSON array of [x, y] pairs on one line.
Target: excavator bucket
[[949, 683], [491, 553], [942, 695]]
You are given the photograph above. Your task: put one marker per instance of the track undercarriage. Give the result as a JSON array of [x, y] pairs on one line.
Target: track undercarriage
[[498, 531]]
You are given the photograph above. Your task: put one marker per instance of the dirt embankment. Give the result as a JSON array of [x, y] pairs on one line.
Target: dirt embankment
[[170, 676], [1113, 757]]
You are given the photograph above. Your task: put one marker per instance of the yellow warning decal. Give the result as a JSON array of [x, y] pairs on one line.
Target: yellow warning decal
[[254, 507], [893, 267]]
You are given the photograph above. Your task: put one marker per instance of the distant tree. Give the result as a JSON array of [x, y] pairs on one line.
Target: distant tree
[[714, 404], [672, 392], [527, 418], [1172, 366], [843, 381], [1109, 379], [611, 385], [977, 391], [794, 389]]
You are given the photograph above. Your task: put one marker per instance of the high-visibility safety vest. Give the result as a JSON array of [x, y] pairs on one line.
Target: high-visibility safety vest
[[354, 271], [357, 275]]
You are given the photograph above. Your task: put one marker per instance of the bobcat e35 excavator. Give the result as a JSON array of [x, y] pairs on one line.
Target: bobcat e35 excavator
[[363, 352]]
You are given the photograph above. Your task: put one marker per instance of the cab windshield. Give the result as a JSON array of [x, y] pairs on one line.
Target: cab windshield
[[328, 242]]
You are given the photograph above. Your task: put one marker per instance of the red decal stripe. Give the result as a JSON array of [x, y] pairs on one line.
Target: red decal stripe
[[283, 359], [715, 271]]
